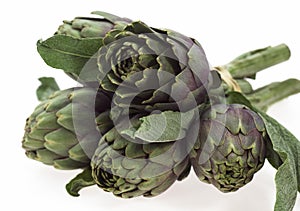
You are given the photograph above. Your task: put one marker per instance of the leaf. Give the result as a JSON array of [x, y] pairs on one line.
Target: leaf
[[272, 156], [287, 178], [48, 86], [238, 98], [68, 53], [163, 127], [82, 180]]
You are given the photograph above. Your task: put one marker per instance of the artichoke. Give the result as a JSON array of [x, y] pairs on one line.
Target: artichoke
[[62, 130], [147, 68], [84, 27], [133, 167], [151, 69], [231, 146]]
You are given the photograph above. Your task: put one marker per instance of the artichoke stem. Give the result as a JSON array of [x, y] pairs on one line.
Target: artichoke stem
[[265, 96], [248, 64]]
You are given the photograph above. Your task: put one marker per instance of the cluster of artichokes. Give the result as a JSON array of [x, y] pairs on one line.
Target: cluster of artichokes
[[149, 108]]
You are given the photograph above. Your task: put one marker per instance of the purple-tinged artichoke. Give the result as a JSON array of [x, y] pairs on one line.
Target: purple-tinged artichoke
[[153, 69], [231, 146]]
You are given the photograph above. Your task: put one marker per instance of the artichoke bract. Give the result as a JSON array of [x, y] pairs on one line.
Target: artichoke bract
[[84, 27], [62, 130], [231, 147], [130, 168], [153, 69]]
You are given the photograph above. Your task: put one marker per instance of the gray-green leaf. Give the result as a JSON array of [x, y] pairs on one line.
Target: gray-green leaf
[[82, 180], [48, 86], [163, 127], [288, 175], [68, 53]]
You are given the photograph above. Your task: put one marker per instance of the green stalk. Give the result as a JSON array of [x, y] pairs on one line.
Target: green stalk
[[248, 64], [270, 94]]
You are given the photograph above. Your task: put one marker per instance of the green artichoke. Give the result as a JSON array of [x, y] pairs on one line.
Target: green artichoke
[[231, 148], [151, 69], [62, 130], [84, 27], [132, 167]]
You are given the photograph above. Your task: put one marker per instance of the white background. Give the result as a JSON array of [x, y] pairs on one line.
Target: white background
[[224, 28]]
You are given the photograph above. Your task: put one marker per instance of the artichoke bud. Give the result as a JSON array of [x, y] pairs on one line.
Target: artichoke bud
[[84, 27], [130, 168], [62, 130], [153, 69], [231, 147]]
